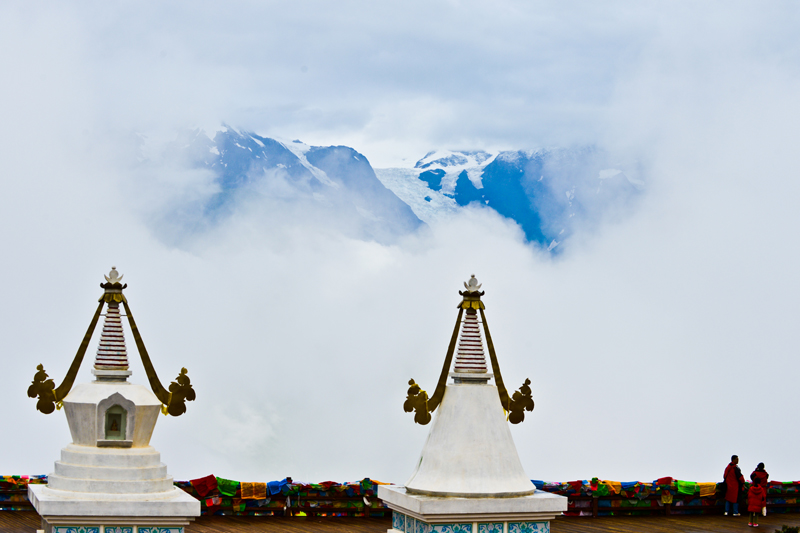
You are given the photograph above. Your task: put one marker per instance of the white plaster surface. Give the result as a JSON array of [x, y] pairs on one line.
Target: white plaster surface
[[88, 469], [111, 457], [111, 481], [85, 416], [172, 503], [96, 391], [470, 451], [109, 486], [113, 473], [539, 506]]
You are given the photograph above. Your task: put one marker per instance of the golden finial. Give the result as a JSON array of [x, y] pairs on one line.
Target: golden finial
[[472, 285], [113, 276]]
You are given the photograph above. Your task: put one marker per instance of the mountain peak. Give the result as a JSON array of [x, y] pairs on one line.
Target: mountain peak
[[453, 160]]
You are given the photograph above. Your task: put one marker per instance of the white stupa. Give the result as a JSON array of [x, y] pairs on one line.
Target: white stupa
[[109, 479], [469, 478]]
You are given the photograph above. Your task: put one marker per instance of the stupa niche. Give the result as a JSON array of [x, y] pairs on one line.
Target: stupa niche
[[469, 478], [110, 478]]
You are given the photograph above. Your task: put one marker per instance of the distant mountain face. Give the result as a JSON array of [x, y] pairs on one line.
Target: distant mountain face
[[333, 179], [547, 192]]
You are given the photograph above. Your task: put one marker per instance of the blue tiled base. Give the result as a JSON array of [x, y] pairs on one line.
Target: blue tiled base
[[116, 529], [408, 524]]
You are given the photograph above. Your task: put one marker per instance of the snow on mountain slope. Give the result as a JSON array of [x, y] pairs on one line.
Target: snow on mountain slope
[[447, 166], [442, 168], [549, 193], [429, 205], [300, 149]]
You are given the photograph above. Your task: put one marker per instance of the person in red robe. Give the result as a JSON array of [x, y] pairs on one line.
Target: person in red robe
[[734, 481], [756, 501], [760, 476]]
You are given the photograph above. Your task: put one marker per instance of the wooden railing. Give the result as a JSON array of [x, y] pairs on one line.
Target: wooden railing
[[14, 492], [355, 499], [360, 500]]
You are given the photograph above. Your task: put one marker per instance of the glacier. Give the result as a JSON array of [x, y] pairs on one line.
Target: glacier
[[550, 193]]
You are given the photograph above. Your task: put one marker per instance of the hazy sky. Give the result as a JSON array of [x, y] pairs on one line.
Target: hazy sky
[[658, 343]]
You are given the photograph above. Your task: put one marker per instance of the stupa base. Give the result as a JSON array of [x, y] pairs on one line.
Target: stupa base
[[74, 512], [413, 513]]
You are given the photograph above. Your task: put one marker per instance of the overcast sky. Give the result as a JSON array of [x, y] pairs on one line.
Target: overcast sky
[[658, 343]]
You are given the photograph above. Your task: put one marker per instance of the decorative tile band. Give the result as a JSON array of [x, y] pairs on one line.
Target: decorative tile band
[[449, 528], [529, 527], [76, 529], [408, 524], [116, 529]]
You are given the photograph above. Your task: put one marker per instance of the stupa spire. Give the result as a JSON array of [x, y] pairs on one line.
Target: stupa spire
[[470, 357], [111, 361], [111, 352], [470, 365]]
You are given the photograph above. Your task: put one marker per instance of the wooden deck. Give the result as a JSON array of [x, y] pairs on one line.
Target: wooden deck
[[28, 522], [255, 524], [19, 522]]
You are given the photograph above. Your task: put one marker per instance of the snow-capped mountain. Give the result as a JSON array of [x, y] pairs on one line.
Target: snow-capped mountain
[[547, 192], [334, 179]]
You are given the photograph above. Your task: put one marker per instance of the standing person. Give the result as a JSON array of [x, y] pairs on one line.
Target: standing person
[[760, 476], [734, 482], [756, 501]]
